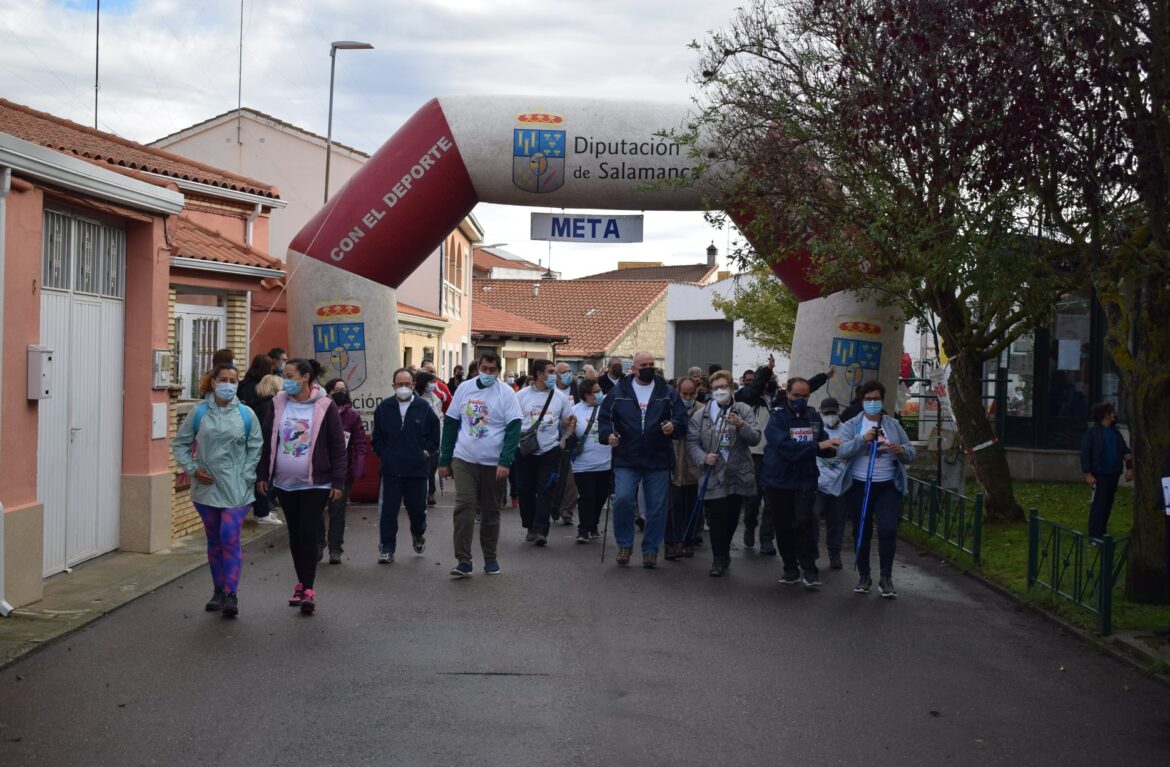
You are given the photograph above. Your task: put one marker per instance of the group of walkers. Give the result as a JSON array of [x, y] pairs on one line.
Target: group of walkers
[[669, 459]]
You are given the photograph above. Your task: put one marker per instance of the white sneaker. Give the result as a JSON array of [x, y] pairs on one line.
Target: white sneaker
[[271, 520]]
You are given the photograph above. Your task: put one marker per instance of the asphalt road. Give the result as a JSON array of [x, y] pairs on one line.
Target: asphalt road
[[562, 660]]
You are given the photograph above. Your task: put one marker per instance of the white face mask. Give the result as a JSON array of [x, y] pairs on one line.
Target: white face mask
[[404, 393], [831, 420], [722, 396]]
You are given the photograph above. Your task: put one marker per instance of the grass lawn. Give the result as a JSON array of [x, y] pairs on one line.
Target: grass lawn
[[1005, 551]]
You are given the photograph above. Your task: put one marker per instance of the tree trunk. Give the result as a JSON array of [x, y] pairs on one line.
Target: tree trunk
[[1148, 414], [989, 463]]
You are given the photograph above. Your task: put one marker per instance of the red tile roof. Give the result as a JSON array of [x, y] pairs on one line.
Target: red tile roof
[[486, 260], [594, 315], [414, 311], [107, 149], [192, 240], [487, 320], [693, 273]]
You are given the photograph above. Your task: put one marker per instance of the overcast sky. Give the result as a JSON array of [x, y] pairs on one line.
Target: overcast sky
[[167, 64]]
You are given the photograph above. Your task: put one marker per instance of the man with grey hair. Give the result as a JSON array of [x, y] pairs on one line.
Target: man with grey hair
[[639, 419]]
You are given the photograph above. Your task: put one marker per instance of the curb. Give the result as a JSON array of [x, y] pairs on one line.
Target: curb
[[62, 632], [1133, 656]]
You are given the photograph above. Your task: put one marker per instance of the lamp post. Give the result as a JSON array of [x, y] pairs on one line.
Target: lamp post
[[345, 45]]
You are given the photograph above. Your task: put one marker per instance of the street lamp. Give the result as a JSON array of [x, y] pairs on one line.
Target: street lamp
[[345, 45]]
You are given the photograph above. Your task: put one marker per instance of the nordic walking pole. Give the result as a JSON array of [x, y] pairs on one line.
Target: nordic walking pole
[[605, 530], [865, 501]]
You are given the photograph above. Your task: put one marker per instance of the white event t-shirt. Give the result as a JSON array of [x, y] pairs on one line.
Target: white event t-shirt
[[484, 415], [294, 459], [643, 392], [559, 408], [883, 467], [595, 455]]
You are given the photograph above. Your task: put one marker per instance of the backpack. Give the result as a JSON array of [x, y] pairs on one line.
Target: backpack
[[201, 410]]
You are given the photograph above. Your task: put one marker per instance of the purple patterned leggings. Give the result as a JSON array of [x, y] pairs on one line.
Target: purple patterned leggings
[[223, 544]]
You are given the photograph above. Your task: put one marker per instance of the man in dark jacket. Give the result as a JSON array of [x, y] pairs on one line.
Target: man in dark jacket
[[406, 435], [639, 418], [796, 437], [611, 376], [1103, 453]]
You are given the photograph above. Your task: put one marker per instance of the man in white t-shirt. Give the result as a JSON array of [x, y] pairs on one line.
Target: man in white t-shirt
[[546, 411], [480, 434]]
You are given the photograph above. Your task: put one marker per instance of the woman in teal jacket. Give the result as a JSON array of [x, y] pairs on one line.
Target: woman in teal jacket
[[218, 445]]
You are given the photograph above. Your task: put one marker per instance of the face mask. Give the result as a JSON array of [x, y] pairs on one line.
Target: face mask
[[688, 401], [872, 406], [566, 378], [511, 379], [292, 387], [646, 375], [404, 393], [831, 420], [225, 391], [616, 371], [432, 386], [598, 397], [722, 396], [798, 404], [341, 398], [486, 380]]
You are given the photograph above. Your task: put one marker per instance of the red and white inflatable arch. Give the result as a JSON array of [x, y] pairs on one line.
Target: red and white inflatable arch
[[514, 150]]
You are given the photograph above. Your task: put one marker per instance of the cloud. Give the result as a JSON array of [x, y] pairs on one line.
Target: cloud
[[167, 64]]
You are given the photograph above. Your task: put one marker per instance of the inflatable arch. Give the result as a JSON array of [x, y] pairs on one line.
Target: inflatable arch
[[533, 151]]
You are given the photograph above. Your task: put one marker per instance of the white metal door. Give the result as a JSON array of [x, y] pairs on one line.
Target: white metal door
[[79, 457]]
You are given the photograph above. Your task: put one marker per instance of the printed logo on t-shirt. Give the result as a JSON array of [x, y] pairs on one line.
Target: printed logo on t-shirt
[[801, 433], [725, 438], [477, 412], [294, 436], [550, 418]]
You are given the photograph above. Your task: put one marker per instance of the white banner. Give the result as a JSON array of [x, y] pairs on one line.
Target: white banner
[[586, 227]]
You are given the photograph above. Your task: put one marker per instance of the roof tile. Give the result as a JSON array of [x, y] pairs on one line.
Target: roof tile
[[192, 240], [488, 320], [102, 148], [695, 273]]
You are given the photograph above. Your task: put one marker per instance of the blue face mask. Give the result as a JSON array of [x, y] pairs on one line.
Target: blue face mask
[[688, 401], [225, 391], [292, 387], [486, 380], [599, 397], [566, 378], [432, 386], [872, 406], [798, 404]]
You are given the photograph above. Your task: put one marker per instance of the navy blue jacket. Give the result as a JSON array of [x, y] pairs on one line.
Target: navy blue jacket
[[403, 447], [1103, 450], [642, 448], [790, 456]]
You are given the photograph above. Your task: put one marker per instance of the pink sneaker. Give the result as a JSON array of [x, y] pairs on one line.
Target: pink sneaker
[[308, 602], [298, 596]]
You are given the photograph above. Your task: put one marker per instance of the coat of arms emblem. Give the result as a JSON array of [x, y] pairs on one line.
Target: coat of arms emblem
[[538, 153]]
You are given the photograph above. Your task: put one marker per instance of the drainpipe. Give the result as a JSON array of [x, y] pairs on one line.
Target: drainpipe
[[5, 187], [248, 224]]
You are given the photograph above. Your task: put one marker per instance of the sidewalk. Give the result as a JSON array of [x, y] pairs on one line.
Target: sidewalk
[[102, 585]]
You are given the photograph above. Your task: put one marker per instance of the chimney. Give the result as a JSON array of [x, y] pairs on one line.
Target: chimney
[[712, 252]]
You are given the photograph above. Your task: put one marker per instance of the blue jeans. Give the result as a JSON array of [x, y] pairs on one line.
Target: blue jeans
[[397, 490], [656, 484]]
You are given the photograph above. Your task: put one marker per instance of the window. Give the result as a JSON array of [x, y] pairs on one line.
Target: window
[[200, 324], [82, 255], [1021, 378], [1068, 359]]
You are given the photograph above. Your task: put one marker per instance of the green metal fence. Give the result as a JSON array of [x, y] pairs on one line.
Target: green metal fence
[[1086, 571], [944, 514]]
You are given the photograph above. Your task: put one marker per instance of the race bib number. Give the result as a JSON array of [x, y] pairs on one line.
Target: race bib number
[[801, 433]]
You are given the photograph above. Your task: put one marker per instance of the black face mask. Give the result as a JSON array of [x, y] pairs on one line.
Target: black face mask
[[646, 375], [341, 398]]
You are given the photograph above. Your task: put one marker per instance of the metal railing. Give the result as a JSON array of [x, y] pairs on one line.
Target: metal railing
[[944, 514], [1081, 569]]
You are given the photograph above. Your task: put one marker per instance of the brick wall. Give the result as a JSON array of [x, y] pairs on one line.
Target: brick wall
[[237, 329]]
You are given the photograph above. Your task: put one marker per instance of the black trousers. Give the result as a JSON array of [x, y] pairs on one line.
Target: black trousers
[[536, 476], [593, 490], [1102, 504], [722, 519], [678, 515], [752, 515], [797, 529], [834, 510], [336, 537], [303, 510]]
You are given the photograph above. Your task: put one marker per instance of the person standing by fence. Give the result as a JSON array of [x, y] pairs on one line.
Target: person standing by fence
[[1103, 456], [218, 445]]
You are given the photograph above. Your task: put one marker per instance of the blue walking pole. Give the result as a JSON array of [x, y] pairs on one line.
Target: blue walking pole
[[865, 501], [693, 522]]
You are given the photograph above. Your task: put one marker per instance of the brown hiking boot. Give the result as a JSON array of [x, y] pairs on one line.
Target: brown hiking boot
[[649, 561], [623, 556]]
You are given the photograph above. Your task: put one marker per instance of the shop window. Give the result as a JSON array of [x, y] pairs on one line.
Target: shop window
[[1068, 359]]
